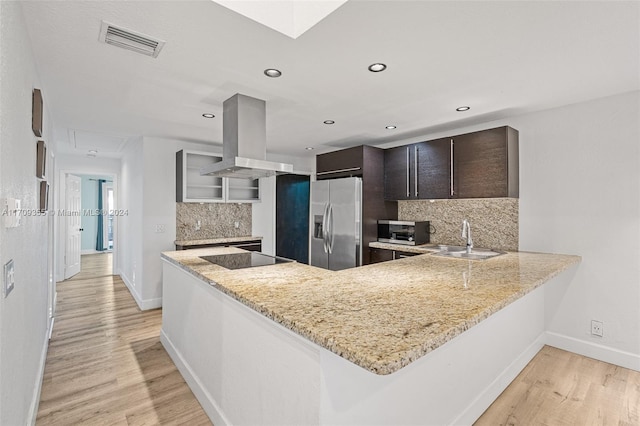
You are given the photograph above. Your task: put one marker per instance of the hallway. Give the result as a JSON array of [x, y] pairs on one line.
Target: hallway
[[105, 363]]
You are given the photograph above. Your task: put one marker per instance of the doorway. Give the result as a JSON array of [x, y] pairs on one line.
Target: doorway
[[292, 217], [98, 206], [87, 220]]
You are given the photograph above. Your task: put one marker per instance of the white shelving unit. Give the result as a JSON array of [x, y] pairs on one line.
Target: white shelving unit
[[191, 187], [243, 190]]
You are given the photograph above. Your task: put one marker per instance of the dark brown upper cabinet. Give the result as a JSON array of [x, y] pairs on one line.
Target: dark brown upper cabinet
[[343, 163], [481, 164], [397, 173], [418, 171], [485, 164]]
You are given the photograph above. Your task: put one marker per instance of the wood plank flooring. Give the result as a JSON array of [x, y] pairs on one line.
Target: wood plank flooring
[[105, 364], [94, 265], [563, 388]]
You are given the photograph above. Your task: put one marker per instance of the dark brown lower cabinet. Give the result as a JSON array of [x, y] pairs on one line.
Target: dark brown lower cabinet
[[380, 255], [249, 245]]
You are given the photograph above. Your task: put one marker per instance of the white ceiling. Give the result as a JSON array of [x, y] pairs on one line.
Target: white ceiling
[[500, 58]]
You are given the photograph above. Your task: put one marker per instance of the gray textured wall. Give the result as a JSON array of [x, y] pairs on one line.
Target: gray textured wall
[[217, 220]]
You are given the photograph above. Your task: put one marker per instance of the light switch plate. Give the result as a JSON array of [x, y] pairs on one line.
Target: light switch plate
[[8, 278]]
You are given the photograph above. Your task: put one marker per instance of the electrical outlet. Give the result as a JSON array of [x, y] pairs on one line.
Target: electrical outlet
[[159, 229], [9, 281], [237, 225], [596, 328]]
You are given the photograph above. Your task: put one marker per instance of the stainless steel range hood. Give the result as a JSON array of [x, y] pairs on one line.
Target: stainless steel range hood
[[244, 141]]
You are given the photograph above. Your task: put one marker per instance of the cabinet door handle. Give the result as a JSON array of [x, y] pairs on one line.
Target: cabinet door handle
[[350, 169], [415, 170], [451, 170], [408, 193]]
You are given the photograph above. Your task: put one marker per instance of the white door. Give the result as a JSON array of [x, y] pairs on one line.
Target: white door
[[72, 207]]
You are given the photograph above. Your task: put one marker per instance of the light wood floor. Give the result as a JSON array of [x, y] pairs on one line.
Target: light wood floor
[[105, 364], [562, 388], [94, 265]]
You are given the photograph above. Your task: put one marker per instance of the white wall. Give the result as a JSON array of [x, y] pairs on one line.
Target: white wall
[[148, 192], [580, 194], [24, 313], [129, 230]]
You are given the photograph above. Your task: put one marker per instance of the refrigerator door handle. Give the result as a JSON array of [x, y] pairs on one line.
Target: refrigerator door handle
[[330, 230], [325, 218]]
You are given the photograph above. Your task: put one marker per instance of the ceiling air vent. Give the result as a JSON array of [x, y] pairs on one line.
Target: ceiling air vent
[[131, 40]]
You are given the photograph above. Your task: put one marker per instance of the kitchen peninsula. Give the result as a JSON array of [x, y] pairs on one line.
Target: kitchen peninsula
[[420, 340]]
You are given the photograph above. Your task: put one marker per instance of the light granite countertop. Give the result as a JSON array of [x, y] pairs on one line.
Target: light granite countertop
[[221, 240], [383, 316]]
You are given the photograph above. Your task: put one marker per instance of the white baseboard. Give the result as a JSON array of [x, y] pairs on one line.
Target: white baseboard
[[37, 386], [151, 304], [491, 393], [593, 350], [205, 399], [53, 320], [143, 304], [131, 288]]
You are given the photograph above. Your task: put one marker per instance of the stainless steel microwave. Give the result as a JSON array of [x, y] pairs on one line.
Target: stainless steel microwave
[[403, 232]]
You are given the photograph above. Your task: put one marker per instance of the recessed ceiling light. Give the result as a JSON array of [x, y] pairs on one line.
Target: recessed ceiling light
[[390, 127], [377, 67], [463, 108], [93, 151], [309, 148], [272, 72], [329, 122], [207, 115]]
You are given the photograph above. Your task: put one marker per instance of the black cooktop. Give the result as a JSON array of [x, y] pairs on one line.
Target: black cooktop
[[250, 259]]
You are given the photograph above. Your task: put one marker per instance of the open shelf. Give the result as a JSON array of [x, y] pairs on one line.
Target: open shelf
[[193, 187]]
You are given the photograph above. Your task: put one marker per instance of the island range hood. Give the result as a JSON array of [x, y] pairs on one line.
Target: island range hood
[[244, 141]]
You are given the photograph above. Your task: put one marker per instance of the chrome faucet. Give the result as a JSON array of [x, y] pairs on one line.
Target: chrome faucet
[[466, 233]]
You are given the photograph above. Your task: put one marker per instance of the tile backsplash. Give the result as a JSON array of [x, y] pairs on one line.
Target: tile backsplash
[[217, 220], [494, 221]]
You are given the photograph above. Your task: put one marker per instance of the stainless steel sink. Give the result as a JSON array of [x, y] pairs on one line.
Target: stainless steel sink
[[461, 253], [447, 248]]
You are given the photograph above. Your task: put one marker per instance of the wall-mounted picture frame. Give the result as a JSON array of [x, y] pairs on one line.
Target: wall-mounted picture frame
[[41, 159], [36, 116], [44, 196]]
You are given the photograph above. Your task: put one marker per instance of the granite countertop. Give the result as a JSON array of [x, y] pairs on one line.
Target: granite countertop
[[215, 241], [383, 316]]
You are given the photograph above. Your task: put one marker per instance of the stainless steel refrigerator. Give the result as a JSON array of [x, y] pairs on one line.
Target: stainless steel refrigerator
[[336, 223]]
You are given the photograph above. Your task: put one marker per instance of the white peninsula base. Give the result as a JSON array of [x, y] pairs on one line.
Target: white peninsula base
[[246, 369]]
